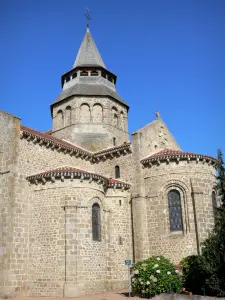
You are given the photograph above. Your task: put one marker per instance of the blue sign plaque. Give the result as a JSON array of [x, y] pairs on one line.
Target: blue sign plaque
[[127, 262]]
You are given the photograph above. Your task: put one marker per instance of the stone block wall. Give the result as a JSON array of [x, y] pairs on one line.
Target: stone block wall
[[195, 182], [12, 236], [61, 214], [154, 137]]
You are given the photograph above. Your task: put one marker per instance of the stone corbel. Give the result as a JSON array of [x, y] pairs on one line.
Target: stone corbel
[[203, 160], [29, 138], [158, 162], [90, 179], [168, 160], [36, 181], [71, 152], [178, 159], [43, 180], [82, 178], [125, 151], [197, 160], [62, 178], [52, 179], [77, 154], [65, 151]]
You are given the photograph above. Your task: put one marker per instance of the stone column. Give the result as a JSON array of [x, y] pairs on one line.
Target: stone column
[[139, 209]]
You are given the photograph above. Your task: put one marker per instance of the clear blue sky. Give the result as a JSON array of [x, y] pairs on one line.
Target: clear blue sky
[[168, 55]]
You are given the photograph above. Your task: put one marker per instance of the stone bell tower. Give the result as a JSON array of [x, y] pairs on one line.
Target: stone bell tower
[[89, 112]]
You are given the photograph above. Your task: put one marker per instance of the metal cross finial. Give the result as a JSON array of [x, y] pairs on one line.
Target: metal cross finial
[[87, 16], [157, 114]]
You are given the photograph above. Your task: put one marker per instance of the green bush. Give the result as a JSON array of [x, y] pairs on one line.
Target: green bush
[[193, 274], [154, 276]]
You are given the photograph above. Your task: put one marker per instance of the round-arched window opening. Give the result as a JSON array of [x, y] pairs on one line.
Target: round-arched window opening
[[103, 74], [83, 73], [94, 73], [96, 222], [175, 211], [74, 75], [117, 172], [67, 79]]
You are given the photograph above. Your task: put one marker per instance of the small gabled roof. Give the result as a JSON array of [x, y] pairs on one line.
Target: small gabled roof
[[88, 54]]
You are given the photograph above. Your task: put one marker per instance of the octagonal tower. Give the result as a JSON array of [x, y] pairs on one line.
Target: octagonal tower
[[89, 112]]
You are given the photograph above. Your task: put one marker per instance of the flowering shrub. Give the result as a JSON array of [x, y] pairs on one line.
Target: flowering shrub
[[154, 276]]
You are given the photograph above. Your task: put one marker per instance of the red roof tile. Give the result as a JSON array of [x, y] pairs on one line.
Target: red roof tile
[[48, 137], [68, 170], [174, 153]]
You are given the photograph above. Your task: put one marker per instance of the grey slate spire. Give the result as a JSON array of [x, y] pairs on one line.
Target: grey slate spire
[[88, 54]]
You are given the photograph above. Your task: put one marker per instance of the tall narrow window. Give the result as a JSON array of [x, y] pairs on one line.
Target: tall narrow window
[[96, 222], [175, 211], [117, 172], [114, 141], [214, 202]]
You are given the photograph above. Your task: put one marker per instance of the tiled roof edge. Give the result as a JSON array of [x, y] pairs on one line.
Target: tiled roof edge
[[177, 155], [71, 172]]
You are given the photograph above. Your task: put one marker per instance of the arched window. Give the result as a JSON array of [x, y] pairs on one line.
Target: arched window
[[114, 141], [117, 172], [214, 202], [74, 75], [67, 78], [83, 73], [68, 116], [175, 211], [96, 222], [94, 73], [59, 123]]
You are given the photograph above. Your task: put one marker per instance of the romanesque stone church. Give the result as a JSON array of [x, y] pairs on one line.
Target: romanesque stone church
[[79, 199]]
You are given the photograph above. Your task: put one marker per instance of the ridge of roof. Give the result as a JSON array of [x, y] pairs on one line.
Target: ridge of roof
[[88, 53], [171, 153]]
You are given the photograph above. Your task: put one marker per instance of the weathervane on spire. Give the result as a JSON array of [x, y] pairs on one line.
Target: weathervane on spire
[[87, 16]]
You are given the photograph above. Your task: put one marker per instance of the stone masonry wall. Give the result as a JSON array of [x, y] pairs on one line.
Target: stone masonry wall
[[36, 158], [54, 272], [195, 182], [154, 137], [95, 121], [12, 236], [125, 163]]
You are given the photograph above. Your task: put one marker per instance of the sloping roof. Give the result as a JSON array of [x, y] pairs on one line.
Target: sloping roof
[[89, 90], [49, 138], [88, 53], [71, 172], [170, 154]]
